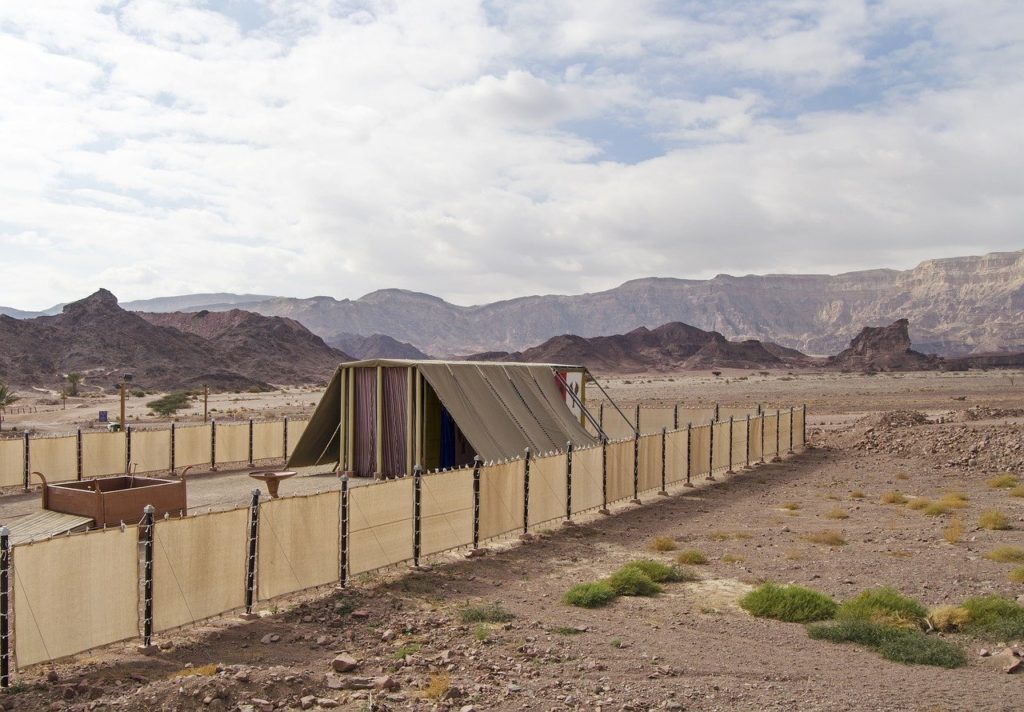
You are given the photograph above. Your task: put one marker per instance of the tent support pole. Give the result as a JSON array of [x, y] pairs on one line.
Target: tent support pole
[[601, 388], [410, 417], [578, 401], [350, 422], [379, 441]]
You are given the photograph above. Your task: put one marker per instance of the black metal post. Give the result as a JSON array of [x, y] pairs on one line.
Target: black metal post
[[25, 473], [762, 416], [636, 418], [251, 431], [778, 435], [172, 447], [213, 445], [127, 449], [78, 454], [716, 411], [803, 427], [344, 530], [284, 454], [675, 417], [604, 477], [477, 463], [568, 480], [790, 430], [250, 568], [689, 447], [5, 601], [730, 470], [417, 507], [747, 464], [526, 493], [711, 448], [600, 415], [636, 461], [664, 440], [147, 575]]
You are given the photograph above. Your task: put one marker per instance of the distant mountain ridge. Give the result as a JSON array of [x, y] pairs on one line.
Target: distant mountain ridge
[[375, 346]]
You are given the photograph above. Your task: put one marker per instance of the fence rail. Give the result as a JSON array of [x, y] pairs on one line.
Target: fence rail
[[197, 567]]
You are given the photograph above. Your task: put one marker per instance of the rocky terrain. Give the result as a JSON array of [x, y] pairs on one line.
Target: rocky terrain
[[96, 337], [375, 346], [884, 348]]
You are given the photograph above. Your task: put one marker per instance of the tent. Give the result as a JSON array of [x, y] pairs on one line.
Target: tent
[[381, 417]]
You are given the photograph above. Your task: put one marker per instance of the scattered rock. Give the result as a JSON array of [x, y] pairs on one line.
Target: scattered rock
[[344, 663]]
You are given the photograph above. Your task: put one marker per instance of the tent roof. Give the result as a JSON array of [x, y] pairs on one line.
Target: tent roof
[[402, 362], [501, 408]]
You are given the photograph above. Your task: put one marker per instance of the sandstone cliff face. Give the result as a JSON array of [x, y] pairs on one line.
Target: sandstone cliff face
[[883, 349]]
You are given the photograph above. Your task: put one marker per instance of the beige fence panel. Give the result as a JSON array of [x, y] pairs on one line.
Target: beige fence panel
[[75, 593], [151, 450], [103, 454], [756, 427], [615, 427], [232, 442], [676, 464], [501, 499], [547, 489], [380, 525], [446, 511], [268, 440], [784, 430], [192, 446], [799, 427], [12, 462], [295, 430], [56, 458], [620, 470], [700, 443], [739, 442], [771, 428], [298, 543], [199, 567], [587, 479], [697, 416], [652, 420], [650, 463], [736, 412], [722, 446]]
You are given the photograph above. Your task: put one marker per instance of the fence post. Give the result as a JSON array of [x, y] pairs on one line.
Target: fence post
[[172, 448], [147, 577], [730, 470], [250, 442], [636, 417], [78, 454], [716, 411], [604, 477], [664, 438], [284, 453], [568, 480], [25, 473], [600, 415], [778, 435], [675, 417], [213, 445], [250, 567], [5, 601], [526, 494], [790, 430], [417, 508], [803, 428], [636, 461], [689, 447], [762, 436], [344, 529], [748, 442], [127, 449], [711, 448], [477, 462]]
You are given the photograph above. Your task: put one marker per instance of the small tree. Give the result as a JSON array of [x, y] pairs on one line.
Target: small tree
[[169, 404], [7, 398], [74, 380]]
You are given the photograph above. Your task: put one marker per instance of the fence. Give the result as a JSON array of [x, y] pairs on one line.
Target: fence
[[651, 419], [210, 445], [80, 591]]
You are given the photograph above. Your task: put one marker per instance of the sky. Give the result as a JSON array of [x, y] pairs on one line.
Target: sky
[[485, 150]]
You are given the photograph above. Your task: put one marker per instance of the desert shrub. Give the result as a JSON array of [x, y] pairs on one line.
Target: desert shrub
[[918, 503], [794, 604], [837, 513], [949, 619], [487, 613], [661, 573], [590, 595], [1006, 480], [856, 494], [829, 537], [910, 647], [936, 509], [663, 543], [993, 519], [169, 404], [437, 687], [994, 617], [1017, 575], [885, 606], [893, 497], [791, 506], [1017, 491], [691, 557], [629, 581], [406, 650], [954, 531], [954, 499], [902, 476], [1006, 555]]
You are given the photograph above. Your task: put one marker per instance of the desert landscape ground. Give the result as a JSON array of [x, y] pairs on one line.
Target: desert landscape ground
[[417, 643]]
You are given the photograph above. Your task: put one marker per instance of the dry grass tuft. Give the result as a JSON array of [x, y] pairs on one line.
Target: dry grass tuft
[[791, 506], [201, 671], [1006, 555], [837, 513], [954, 499], [692, 557], [733, 559], [893, 497], [902, 476], [936, 509], [954, 531], [919, 503], [663, 543], [829, 536], [439, 684], [1017, 575], [948, 619], [994, 519], [1017, 491], [794, 554], [856, 494], [1006, 480]]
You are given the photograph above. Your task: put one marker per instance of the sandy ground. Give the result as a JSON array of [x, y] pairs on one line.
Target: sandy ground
[[689, 648]]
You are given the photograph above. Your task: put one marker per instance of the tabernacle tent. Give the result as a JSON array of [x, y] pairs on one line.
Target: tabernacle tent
[[381, 417]]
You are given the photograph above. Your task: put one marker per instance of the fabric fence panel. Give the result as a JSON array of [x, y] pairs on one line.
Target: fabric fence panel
[[103, 454], [12, 462], [620, 470], [199, 567], [446, 511], [192, 446], [74, 593], [232, 442], [586, 479], [268, 440], [676, 464], [771, 429], [151, 450], [295, 430], [380, 524], [298, 543], [739, 442], [697, 416], [722, 446], [56, 458], [652, 420], [615, 426], [798, 427], [650, 462], [756, 425], [784, 429], [736, 412], [501, 498], [700, 443], [547, 489]]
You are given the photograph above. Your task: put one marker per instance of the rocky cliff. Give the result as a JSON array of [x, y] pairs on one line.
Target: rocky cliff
[[884, 348]]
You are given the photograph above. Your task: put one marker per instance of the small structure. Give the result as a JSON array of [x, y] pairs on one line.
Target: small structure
[[382, 417], [108, 501]]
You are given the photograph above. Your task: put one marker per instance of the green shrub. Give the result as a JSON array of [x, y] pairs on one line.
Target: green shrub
[[629, 581], [661, 573], [487, 613], [1006, 480], [692, 557], [885, 606], [169, 404], [590, 595], [901, 645], [994, 617], [794, 604], [1007, 555]]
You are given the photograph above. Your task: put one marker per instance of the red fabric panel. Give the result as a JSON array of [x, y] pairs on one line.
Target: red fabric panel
[[396, 390], [365, 455]]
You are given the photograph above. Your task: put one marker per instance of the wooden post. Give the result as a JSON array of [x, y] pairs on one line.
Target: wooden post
[[250, 568], [410, 419], [342, 420], [790, 430], [351, 422], [147, 577], [568, 480], [689, 449], [417, 508], [526, 494], [730, 470], [78, 454], [604, 477], [664, 438], [477, 463], [5, 601], [343, 573], [711, 448]]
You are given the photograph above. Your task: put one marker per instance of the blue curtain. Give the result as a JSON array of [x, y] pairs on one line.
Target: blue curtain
[[447, 439]]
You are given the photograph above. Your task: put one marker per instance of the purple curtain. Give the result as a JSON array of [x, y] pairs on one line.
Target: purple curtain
[[365, 455], [396, 393]]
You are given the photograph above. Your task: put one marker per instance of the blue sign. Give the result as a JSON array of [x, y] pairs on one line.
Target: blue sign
[[103, 416]]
